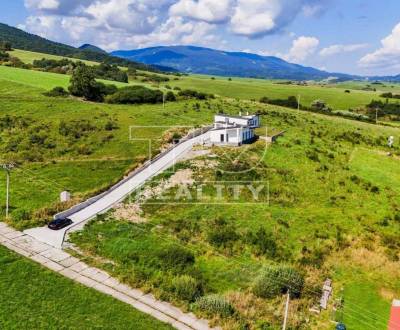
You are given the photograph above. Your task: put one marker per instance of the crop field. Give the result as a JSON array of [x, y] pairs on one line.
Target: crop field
[[35, 298]]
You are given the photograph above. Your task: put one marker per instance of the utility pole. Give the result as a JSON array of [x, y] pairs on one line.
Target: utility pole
[[163, 99], [7, 167], [286, 311], [376, 115], [298, 102]]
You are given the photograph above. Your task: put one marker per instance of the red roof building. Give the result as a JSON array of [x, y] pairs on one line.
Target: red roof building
[[394, 322]]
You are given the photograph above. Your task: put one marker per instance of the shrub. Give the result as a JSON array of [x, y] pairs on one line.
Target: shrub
[[135, 95], [176, 257], [188, 93], [264, 243], [186, 288], [170, 97], [215, 304], [276, 280], [221, 233], [57, 92], [4, 56]]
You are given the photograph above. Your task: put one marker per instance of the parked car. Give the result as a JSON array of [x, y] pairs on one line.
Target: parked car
[[60, 223]]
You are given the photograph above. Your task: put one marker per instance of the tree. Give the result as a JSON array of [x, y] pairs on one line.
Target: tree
[[84, 84], [170, 97], [5, 46]]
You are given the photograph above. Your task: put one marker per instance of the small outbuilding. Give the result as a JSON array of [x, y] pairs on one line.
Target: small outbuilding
[[234, 130]]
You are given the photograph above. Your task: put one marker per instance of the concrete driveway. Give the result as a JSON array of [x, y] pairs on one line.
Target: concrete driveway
[[80, 218]]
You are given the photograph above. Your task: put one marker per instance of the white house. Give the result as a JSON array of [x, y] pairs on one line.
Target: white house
[[234, 130]]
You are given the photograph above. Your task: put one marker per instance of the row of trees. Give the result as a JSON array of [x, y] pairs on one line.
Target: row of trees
[[83, 84], [66, 66]]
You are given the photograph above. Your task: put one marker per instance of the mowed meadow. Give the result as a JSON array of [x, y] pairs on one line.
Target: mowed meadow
[[333, 211]]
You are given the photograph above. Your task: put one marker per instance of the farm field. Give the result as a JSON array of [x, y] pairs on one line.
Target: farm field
[[33, 297], [240, 88], [328, 215], [245, 89]]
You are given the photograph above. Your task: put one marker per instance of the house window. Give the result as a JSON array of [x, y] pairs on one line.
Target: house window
[[222, 137]]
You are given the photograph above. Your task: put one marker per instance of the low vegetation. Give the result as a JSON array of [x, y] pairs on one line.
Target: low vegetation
[[34, 298]]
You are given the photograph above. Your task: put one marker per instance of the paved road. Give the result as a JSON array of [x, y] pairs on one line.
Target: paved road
[[71, 267], [56, 238]]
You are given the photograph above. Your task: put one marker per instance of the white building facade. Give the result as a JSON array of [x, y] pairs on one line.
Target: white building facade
[[234, 130]]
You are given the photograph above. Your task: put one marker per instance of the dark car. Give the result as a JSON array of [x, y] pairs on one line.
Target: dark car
[[60, 223]]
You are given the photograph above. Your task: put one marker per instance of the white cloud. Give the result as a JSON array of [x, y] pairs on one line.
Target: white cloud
[[302, 48], [256, 18], [120, 22], [338, 49], [210, 11], [388, 56]]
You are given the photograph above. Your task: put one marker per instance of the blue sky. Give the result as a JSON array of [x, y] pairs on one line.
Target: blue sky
[[352, 36]]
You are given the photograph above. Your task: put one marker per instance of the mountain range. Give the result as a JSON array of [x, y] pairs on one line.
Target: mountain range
[[185, 59], [191, 59], [26, 41]]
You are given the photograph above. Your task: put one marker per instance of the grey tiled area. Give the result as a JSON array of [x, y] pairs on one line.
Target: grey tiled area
[[72, 268]]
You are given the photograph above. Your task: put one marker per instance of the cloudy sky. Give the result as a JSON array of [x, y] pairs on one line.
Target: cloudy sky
[[352, 36]]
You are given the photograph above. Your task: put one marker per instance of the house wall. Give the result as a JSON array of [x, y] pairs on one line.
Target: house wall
[[231, 136], [232, 121]]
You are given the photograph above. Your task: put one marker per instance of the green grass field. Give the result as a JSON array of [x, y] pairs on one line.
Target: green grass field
[[33, 297], [242, 88], [28, 57], [334, 197], [245, 89], [328, 201]]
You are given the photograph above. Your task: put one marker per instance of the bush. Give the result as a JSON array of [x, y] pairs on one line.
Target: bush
[[192, 94], [276, 280], [186, 288], [4, 56], [170, 97], [221, 233], [176, 257], [264, 243], [57, 92], [135, 95], [215, 304]]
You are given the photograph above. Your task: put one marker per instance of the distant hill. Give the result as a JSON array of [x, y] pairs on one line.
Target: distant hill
[[200, 60], [26, 41], [92, 48]]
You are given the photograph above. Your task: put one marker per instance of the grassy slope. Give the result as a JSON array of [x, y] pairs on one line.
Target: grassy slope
[[37, 184], [247, 88], [28, 57], [44, 80], [35, 298], [313, 197]]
